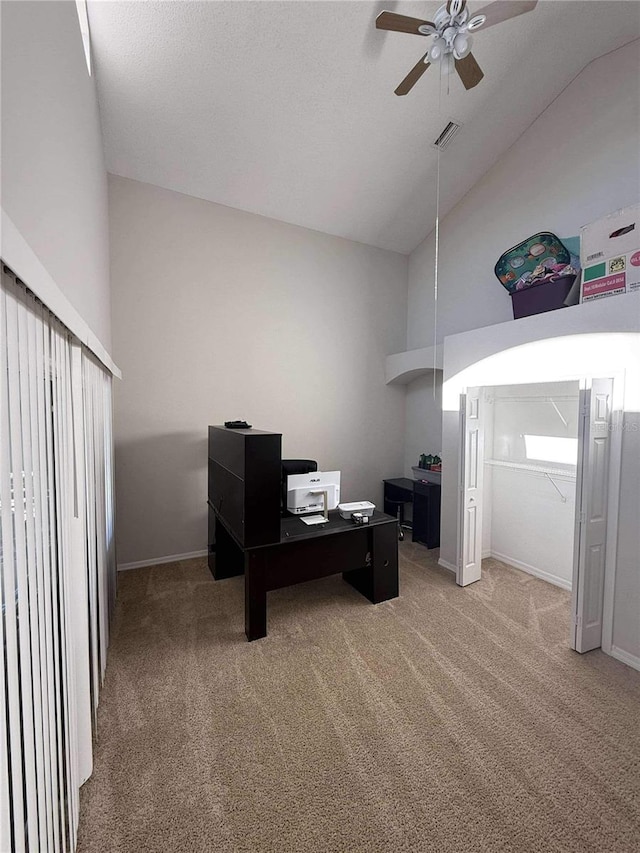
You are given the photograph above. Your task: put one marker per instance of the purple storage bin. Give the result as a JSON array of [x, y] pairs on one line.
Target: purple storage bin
[[541, 297]]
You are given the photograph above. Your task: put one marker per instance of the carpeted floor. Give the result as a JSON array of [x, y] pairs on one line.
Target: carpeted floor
[[447, 720]]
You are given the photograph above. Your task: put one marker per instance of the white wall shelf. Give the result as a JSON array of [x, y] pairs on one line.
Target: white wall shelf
[[536, 469], [401, 368]]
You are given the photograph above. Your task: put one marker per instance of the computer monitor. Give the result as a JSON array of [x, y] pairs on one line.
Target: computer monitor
[[305, 492]]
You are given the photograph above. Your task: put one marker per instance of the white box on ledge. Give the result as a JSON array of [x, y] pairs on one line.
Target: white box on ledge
[[610, 254]]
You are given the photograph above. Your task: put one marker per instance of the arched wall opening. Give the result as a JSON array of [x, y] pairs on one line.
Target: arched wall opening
[[580, 355]]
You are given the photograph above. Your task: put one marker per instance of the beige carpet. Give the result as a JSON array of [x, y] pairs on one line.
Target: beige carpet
[[448, 720]]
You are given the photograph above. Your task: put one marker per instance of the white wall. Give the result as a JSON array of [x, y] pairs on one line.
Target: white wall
[[424, 419], [530, 526], [578, 161], [54, 184], [220, 314]]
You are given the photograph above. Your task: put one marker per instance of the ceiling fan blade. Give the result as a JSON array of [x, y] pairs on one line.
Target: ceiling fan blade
[[373, 42], [413, 76], [401, 23], [460, 10], [469, 71], [502, 10]]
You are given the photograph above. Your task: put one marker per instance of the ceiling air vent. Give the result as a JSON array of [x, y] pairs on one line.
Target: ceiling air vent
[[447, 135]]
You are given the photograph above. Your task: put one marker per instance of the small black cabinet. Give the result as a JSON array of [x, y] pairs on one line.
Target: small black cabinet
[[426, 514]]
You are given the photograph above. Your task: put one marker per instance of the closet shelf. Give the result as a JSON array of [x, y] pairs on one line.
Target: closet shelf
[[536, 469]]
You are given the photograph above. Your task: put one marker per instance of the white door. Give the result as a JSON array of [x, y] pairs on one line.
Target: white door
[[594, 439], [470, 503]]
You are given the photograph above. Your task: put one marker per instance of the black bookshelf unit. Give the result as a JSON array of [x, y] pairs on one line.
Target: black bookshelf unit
[[244, 493]]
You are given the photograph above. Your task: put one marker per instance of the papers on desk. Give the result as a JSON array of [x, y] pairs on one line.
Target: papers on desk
[[313, 519]]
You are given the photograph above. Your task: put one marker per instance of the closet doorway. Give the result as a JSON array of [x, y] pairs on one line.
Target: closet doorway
[[534, 466]]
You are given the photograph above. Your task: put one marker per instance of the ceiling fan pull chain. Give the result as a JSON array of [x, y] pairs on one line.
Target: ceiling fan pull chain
[[437, 239]]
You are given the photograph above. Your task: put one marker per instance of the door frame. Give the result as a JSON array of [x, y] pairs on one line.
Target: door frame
[[470, 485], [613, 496]]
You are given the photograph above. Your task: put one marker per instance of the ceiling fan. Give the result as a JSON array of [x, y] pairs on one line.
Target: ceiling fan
[[451, 31]]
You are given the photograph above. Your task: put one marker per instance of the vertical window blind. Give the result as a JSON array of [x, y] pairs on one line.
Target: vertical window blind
[[57, 568]]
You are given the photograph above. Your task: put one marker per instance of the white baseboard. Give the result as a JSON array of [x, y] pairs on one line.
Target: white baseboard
[[625, 657], [157, 561], [532, 570], [447, 565]]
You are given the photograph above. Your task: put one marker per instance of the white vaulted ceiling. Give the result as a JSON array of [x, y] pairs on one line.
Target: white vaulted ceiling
[[286, 109]]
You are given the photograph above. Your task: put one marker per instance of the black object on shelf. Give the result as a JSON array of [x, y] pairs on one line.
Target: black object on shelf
[[237, 425]]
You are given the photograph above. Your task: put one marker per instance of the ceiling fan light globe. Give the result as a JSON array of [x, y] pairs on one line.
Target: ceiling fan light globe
[[449, 34], [476, 22], [437, 49], [455, 7], [461, 45]]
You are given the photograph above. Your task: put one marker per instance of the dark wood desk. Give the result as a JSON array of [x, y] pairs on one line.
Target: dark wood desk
[[425, 498], [397, 493], [367, 557]]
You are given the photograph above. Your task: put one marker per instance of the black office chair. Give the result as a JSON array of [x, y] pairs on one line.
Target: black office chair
[[398, 511], [293, 466]]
